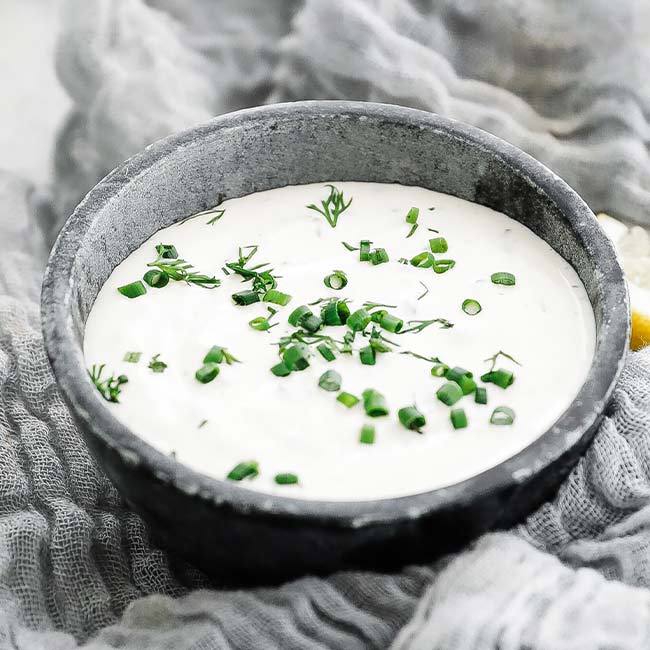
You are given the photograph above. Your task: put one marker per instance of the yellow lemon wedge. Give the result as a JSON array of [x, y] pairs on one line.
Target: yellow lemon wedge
[[633, 247]]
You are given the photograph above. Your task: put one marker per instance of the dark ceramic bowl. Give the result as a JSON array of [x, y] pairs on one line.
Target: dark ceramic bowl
[[246, 536]]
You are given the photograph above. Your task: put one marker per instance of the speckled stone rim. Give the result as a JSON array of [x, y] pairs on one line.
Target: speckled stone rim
[[63, 338]]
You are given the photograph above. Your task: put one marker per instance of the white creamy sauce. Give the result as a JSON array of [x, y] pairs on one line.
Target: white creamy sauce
[[290, 424]]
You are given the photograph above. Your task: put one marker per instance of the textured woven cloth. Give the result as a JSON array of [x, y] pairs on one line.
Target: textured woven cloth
[[565, 81]]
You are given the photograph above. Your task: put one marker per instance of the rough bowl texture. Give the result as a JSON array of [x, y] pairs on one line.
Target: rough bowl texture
[[245, 536]]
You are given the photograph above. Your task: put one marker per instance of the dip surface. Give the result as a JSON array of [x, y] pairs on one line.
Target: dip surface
[[290, 424]]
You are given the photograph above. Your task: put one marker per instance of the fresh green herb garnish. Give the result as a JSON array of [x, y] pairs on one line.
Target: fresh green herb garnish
[[262, 324], [296, 357], [333, 206], [202, 423], [335, 312], [493, 359], [411, 418], [303, 316], [391, 323], [414, 227], [419, 325], [110, 387], [426, 291], [504, 278], [379, 256], [281, 370], [458, 418], [502, 415], [364, 250], [277, 297], [374, 403], [181, 271], [412, 215], [156, 365], [439, 369], [133, 290], [217, 215], [217, 354], [156, 278], [502, 378], [480, 395], [421, 356], [248, 469], [207, 372], [358, 320], [326, 351], [286, 479], [350, 247], [336, 280], [347, 399], [132, 357], [367, 435], [442, 266], [330, 381], [438, 245], [423, 260], [368, 356], [471, 307], [449, 393], [167, 251]]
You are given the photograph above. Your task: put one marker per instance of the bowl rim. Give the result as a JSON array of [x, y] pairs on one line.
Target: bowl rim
[[575, 425]]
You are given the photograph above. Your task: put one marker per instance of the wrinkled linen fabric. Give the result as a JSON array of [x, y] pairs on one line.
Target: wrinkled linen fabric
[[566, 82]]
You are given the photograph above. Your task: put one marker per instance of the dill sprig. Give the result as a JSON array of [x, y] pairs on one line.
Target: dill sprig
[[182, 271], [110, 387], [419, 325], [332, 206], [495, 357], [262, 281]]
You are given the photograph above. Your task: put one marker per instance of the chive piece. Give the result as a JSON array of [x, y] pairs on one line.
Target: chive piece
[[260, 324], [248, 469], [133, 290], [439, 370], [442, 266], [109, 388], [504, 278], [336, 280], [471, 307], [391, 323], [335, 312], [480, 396], [423, 260], [298, 314], [280, 370], [376, 316], [277, 297], [156, 365], [374, 403], [206, 373], [326, 351], [347, 399], [412, 215], [414, 227], [379, 256], [132, 357], [358, 320], [449, 393], [349, 246], [296, 357], [330, 381], [364, 250], [167, 251], [286, 479], [502, 378], [332, 206], [156, 279], [438, 245], [367, 435], [458, 418], [502, 415], [411, 418], [214, 355], [244, 298], [217, 215], [456, 373], [311, 323], [368, 356], [466, 383]]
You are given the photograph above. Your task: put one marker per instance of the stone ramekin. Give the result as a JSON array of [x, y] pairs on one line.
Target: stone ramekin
[[243, 536]]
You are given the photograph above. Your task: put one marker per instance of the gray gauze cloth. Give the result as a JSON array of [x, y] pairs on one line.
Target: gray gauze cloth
[[567, 81]]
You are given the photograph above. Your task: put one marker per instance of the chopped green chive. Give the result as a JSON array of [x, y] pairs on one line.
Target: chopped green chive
[[391, 323], [412, 215], [304, 317], [298, 314], [480, 396], [449, 393], [347, 399], [217, 215], [411, 418], [217, 354], [419, 325], [466, 383], [376, 316], [326, 351], [379, 256], [364, 250], [311, 323], [368, 356], [456, 373], [109, 388], [504, 278], [277, 297], [442, 266], [280, 370], [502, 378], [471, 307], [167, 251], [358, 320], [206, 373], [458, 418], [367, 435], [350, 247], [261, 324], [202, 424], [330, 381], [438, 245], [286, 479], [156, 279], [248, 469], [132, 357], [296, 357], [374, 403], [332, 206], [423, 260], [133, 290], [336, 280], [156, 365], [414, 227], [182, 271], [439, 370], [502, 415], [244, 298], [335, 312]]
